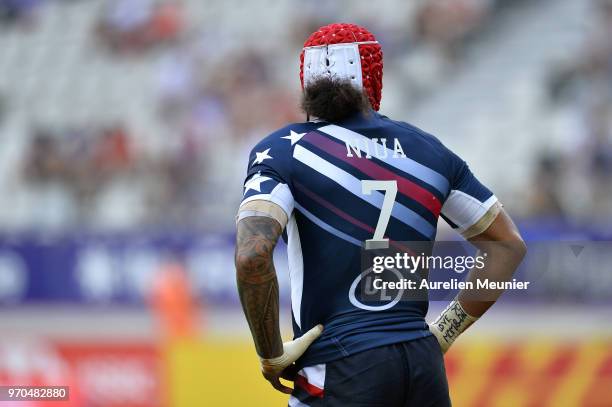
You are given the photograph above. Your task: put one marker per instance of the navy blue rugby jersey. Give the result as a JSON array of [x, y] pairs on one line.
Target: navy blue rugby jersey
[[314, 171]]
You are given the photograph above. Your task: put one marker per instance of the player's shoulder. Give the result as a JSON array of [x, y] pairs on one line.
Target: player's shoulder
[[284, 138], [425, 147], [413, 132], [275, 151]]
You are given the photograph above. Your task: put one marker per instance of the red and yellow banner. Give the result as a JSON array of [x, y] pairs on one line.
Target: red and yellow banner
[[225, 372], [482, 373], [534, 373]]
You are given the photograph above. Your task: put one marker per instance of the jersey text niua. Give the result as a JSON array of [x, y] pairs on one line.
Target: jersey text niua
[[315, 172]]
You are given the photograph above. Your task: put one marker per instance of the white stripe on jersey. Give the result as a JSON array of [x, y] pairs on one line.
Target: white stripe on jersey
[[353, 185], [296, 268], [314, 375], [310, 216], [404, 164], [280, 195]]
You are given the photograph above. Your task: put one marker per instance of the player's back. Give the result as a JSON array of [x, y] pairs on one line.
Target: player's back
[[321, 175]]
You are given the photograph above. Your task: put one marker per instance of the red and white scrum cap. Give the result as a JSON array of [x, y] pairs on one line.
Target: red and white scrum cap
[[345, 51]]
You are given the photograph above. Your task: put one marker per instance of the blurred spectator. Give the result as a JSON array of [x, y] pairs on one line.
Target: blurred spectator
[[44, 161], [17, 11], [583, 88], [92, 162], [138, 25], [217, 94], [113, 153], [448, 23], [546, 198], [442, 29]]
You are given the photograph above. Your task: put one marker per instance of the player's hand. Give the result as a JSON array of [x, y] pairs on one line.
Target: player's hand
[[282, 366]]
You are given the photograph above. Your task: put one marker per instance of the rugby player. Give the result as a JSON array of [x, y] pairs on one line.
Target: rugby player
[[324, 185]]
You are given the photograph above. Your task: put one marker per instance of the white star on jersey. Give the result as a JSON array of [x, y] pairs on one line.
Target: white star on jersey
[[255, 183], [294, 137], [260, 157]]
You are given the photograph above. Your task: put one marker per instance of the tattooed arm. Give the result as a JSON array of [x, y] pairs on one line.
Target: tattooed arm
[[257, 283], [258, 290]]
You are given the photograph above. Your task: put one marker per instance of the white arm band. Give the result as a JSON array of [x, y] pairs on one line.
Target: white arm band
[[262, 208]]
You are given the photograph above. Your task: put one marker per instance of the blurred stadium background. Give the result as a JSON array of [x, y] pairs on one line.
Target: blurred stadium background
[[125, 127]]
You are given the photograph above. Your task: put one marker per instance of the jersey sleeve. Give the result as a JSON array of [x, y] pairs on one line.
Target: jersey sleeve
[[470, 207], [267, 181]]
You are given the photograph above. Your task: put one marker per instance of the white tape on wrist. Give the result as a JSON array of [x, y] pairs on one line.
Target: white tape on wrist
[[280, 361], [451, 323], [292, 350]]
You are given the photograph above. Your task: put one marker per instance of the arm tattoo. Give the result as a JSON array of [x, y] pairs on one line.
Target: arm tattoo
[[257, 283]]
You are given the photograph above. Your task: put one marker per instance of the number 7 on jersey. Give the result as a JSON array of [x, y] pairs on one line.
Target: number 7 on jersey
[[390, 188]]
